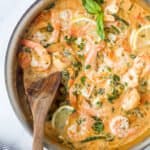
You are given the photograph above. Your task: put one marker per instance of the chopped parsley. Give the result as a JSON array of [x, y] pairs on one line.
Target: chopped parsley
[[83, 79], [148, 18], [116, 88], [101, 91], [132, 56], [50, 28], [143, 85], [98, 125], [65, 77], [87, 67], [27, 50], [70, 40], [80, 121], [115, 29], [50, 6], [81, 45], [121, 20]]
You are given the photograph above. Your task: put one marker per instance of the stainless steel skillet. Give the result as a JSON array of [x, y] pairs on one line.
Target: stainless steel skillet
[[13, 75]]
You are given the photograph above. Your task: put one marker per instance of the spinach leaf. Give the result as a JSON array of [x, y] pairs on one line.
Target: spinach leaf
[[92, 138]]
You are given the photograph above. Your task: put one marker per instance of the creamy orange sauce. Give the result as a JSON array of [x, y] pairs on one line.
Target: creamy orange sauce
[[106, 81]]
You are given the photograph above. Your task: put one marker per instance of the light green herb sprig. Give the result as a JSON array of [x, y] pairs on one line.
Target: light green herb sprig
[[93, 7]]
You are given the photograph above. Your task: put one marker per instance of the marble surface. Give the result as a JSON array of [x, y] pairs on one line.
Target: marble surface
[[11, 131]]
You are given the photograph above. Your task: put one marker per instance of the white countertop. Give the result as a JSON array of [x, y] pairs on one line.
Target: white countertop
[[11, 131]]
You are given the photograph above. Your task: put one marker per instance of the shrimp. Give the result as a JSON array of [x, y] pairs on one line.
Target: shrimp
[[78, 127], [91, 59], [119, 127], [24, 59], [60, 60], [65, 17], [131, 100], [111, 8], [140, 68], [55, 20], [41, 60]]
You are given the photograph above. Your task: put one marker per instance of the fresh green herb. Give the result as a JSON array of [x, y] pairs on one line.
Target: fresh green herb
[[83, 79], [148, 18], [50, 28], [109, 137], [115, 79], [115, 29], [50, 6], [87, 67], [108, 69], [100, 25], [143, 85], [81, 46], [139, 25], [126, 84], [132, 56], [100, 1], [147, 103], [76, 89], [137, 112], [91, 6], [98, 126], [116, 88], [94, 8], [99, 104], [77, 65], [121, 20], [113, 109], [27, 50], [101, 91], [65, 76], [80, 121], [131, 7], [113, 95], [63, 90], [47, 45], [66, 53], [92, 138], [70, 40]]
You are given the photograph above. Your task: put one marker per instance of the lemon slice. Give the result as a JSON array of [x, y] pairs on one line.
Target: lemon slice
[[141, 38], [90, 26], [83, 20], [60, 116]]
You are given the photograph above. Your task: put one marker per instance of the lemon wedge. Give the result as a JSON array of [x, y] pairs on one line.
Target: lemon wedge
[[141, 38], [89, 24], [60, 117], [83, 20]]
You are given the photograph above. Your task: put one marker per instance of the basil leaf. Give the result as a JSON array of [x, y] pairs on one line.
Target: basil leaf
[[91, 6], [100, 1], [100, 25]]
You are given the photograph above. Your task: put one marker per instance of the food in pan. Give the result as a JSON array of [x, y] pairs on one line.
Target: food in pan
[[102, 48]]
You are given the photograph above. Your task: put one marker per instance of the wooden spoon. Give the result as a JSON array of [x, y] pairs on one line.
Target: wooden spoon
[[41, 94]]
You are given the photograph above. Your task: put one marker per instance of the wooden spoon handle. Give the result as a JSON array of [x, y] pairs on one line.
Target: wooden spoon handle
[[38, 134]]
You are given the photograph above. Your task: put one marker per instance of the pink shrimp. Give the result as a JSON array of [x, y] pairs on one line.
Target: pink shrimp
[[41, 60], [79, 127], [119, 127]]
